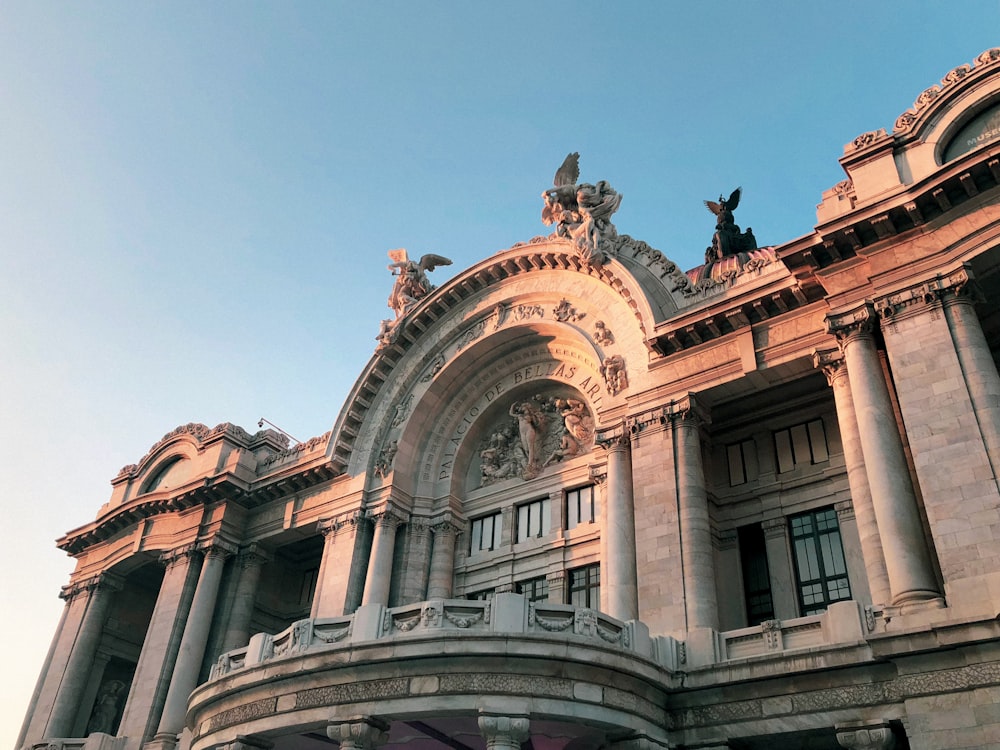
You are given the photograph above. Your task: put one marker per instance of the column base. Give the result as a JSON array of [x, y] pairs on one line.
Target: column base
[[919, 597]]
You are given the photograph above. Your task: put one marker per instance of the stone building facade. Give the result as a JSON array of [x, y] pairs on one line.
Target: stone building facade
[[580, 498]]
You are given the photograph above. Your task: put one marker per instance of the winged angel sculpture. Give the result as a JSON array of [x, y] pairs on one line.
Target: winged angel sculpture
[[411, 286], [728, 239], [581, 212]]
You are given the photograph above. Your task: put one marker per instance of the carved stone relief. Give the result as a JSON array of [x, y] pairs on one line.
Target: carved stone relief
[[536, 433]]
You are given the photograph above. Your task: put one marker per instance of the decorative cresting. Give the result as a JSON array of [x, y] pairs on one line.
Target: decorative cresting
[[911, 576], [203, 434], [906, 121]]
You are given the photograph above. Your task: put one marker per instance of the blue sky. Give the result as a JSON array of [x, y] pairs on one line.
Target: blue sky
[[196, 199]]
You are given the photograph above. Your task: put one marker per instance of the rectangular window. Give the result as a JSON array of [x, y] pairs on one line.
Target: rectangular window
[[801, 445], [585, 586], [534, 589], [533, 520], [756, 576], [486, 533], [742, 459], [581, 506], [820, 566], [484, 595], [307, 586]]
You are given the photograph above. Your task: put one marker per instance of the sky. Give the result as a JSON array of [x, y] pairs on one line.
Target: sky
[[197, 198]]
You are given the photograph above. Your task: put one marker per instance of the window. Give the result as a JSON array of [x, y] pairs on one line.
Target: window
[[484, 595], [581, 506], [820, 567], [533, 520], [534, 589], [800, 445], [756, 576], [486, 533], [742, 462], [307, 586], [585, 586]]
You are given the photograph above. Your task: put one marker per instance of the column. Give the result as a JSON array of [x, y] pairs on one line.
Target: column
[[695, 525], [192, 648], [359, 732], [832, 363], [504, 732], [729, 589], [416, 561], [159, 648], [907, 561], [779, 568], [248, 564], [100, 592], [620, 592], [977, 363], [442, 575], [380, 565]]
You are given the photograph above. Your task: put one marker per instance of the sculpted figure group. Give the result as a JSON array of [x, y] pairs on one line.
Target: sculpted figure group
[[581, 212], [728, 239], [557, 428]]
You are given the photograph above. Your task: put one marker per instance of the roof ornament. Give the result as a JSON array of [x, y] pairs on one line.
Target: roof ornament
[[411, 286], [728, 239], [582, 212]]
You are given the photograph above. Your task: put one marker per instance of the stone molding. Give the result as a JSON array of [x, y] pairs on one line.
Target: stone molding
[[957, 285], [845, 510], [108, 582], [775, 528], [388, 516]]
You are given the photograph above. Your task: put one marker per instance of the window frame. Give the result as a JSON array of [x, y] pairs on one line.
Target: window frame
[[571, 521], [590, 585], [544, 512], [476, 531], [819, 530]]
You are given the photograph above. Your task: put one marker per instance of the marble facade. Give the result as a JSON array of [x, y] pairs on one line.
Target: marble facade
[[580, 498]]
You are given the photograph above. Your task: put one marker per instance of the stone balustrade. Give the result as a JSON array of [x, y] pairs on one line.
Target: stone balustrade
[[513, 614]]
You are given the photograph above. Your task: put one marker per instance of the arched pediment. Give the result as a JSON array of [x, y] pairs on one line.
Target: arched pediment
[[539, 294]]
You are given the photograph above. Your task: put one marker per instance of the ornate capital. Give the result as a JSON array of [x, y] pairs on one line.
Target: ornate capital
[[867, 738], [689, 411], [217, 547], [853, 324], [831, 362], [361, 732], [251, 555], [105, 582], [956, 286], [388, 516], [774, 528], [444, 527], [504, 731], [173, 556]]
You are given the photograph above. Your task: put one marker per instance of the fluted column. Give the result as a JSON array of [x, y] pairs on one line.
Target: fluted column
[[835, 369], [442, 575], [907, 560], [974, 356], [380, 564], [249, 562], [504, 732], [697, 557], [192, 648], [99, 593], [621, 590], [359, 733]]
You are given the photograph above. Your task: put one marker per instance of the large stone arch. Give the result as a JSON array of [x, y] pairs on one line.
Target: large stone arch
[[436, 370]]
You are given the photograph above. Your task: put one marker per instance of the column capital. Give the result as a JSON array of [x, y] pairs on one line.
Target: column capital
[[361, 732], [850, 325], [690, 410], [599, 474], [775, 528], [878, 737], [445, 526], [615, 439], [101, 582], [958, 285], [247, 742], [725, 539], [504, 731], [845, 510], [171, 557], [218, 547], [251, 555], [419, 527], [388, 515], [831, 363]]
